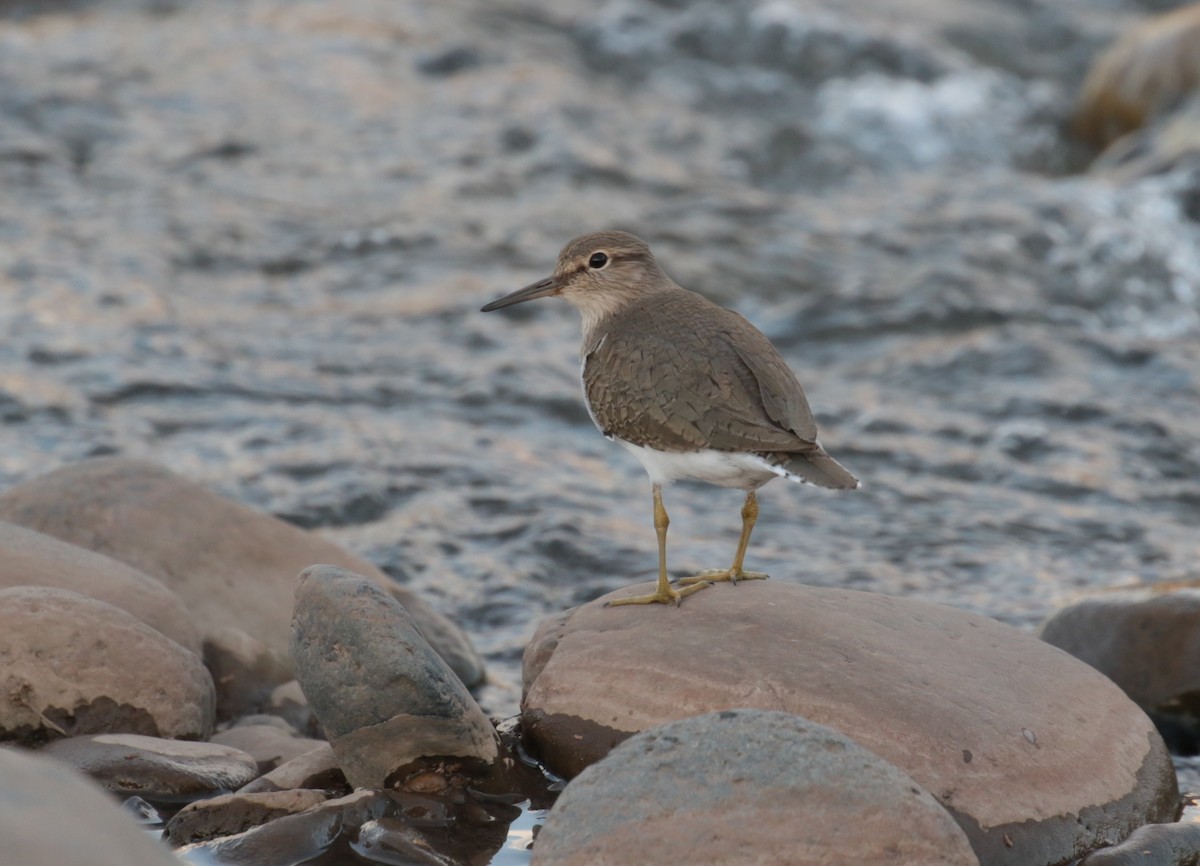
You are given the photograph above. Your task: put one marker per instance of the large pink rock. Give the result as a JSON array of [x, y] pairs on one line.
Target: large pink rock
[[232, 565], [71, 665], [29, 558], [1039, 757]]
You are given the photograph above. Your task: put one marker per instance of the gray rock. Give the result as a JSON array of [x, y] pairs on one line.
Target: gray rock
[[245, 671], [288, 702], [747, 786], [1035, 754], [1146, 641], [52, 815], [382, 694], [269, 745], [158, 769], [70, 664], [231, 565], [29, 558], [227, 814], [315, 769], [1153, 845]]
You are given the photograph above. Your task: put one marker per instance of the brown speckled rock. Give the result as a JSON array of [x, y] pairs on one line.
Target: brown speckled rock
[[747, 786], [156, 768], [1036, 755], [29, 558], [70, 664], [52, 816], [383, 696], [227, 814], [231, 565]]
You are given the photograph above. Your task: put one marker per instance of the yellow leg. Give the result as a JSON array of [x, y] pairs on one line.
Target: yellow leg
[[664, 593], [735, 572]]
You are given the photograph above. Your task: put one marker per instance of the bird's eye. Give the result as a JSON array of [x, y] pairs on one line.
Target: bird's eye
[[597, 261]]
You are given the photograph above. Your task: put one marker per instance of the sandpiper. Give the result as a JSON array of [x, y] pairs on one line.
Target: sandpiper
[[692, 389]]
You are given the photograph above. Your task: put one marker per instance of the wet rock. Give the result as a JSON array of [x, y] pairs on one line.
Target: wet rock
[[52, 815], [231, 565], [29, 558], [154, 768], [227, 814], [706, 790], [1150, 69], [70, 665], [1146, 641], [293, 838], [270, 746], [245, 671], [383, 696], [315, 769], [1157, 844], [1036, 755]]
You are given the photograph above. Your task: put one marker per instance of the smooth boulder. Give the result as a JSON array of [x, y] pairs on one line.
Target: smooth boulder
[[231, 565], [1147, 641], [154, 768], [52, 815], [384, 697], [71, 665], [747, 786], [29, 558], [1037, 755]]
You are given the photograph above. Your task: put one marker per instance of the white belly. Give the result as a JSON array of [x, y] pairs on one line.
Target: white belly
[[723, 468]]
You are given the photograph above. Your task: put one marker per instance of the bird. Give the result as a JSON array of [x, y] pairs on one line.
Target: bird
[[693, 390]]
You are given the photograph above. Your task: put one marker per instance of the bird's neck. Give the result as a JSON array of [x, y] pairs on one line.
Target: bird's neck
[[599, 310]]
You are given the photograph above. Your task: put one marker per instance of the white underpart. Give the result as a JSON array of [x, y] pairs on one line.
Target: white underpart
[[723, 468]]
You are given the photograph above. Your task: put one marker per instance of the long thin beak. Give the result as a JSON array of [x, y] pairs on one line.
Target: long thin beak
[[540, 289]]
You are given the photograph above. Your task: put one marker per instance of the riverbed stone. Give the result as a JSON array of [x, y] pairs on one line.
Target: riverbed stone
[[231, 565], [227, 814], [269, 745], [245, 671], [1037, 756], [1175, 844], [1147, 641], [384, 697], [29, 558], [315, 769], [52, 815], [155, 768], [747, 786], [71, 664]]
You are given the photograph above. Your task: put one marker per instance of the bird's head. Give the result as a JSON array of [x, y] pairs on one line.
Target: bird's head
[[598, 273]]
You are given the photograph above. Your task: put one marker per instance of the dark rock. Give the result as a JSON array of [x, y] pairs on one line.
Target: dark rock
[[29, 558], [52, 815], [1035, 754], [705, 790], [316, 769], [70, 665], [227, 814], [154, 768], [193, 540], [245, 671], [1147, 641], [383, 696]]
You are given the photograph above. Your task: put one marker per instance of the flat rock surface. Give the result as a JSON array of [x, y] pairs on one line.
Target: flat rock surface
[[747, 786], [71, 664], [232, 565], [29, 558], [270, 746], [227, 814], [53, 815], [382, 694], [154, 768], [1036, 754]]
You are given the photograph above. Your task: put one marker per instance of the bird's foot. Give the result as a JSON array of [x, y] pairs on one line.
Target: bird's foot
[[670, 596], [719, 575]]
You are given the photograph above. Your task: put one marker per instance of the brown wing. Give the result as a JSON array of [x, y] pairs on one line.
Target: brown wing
[[678, 373]]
